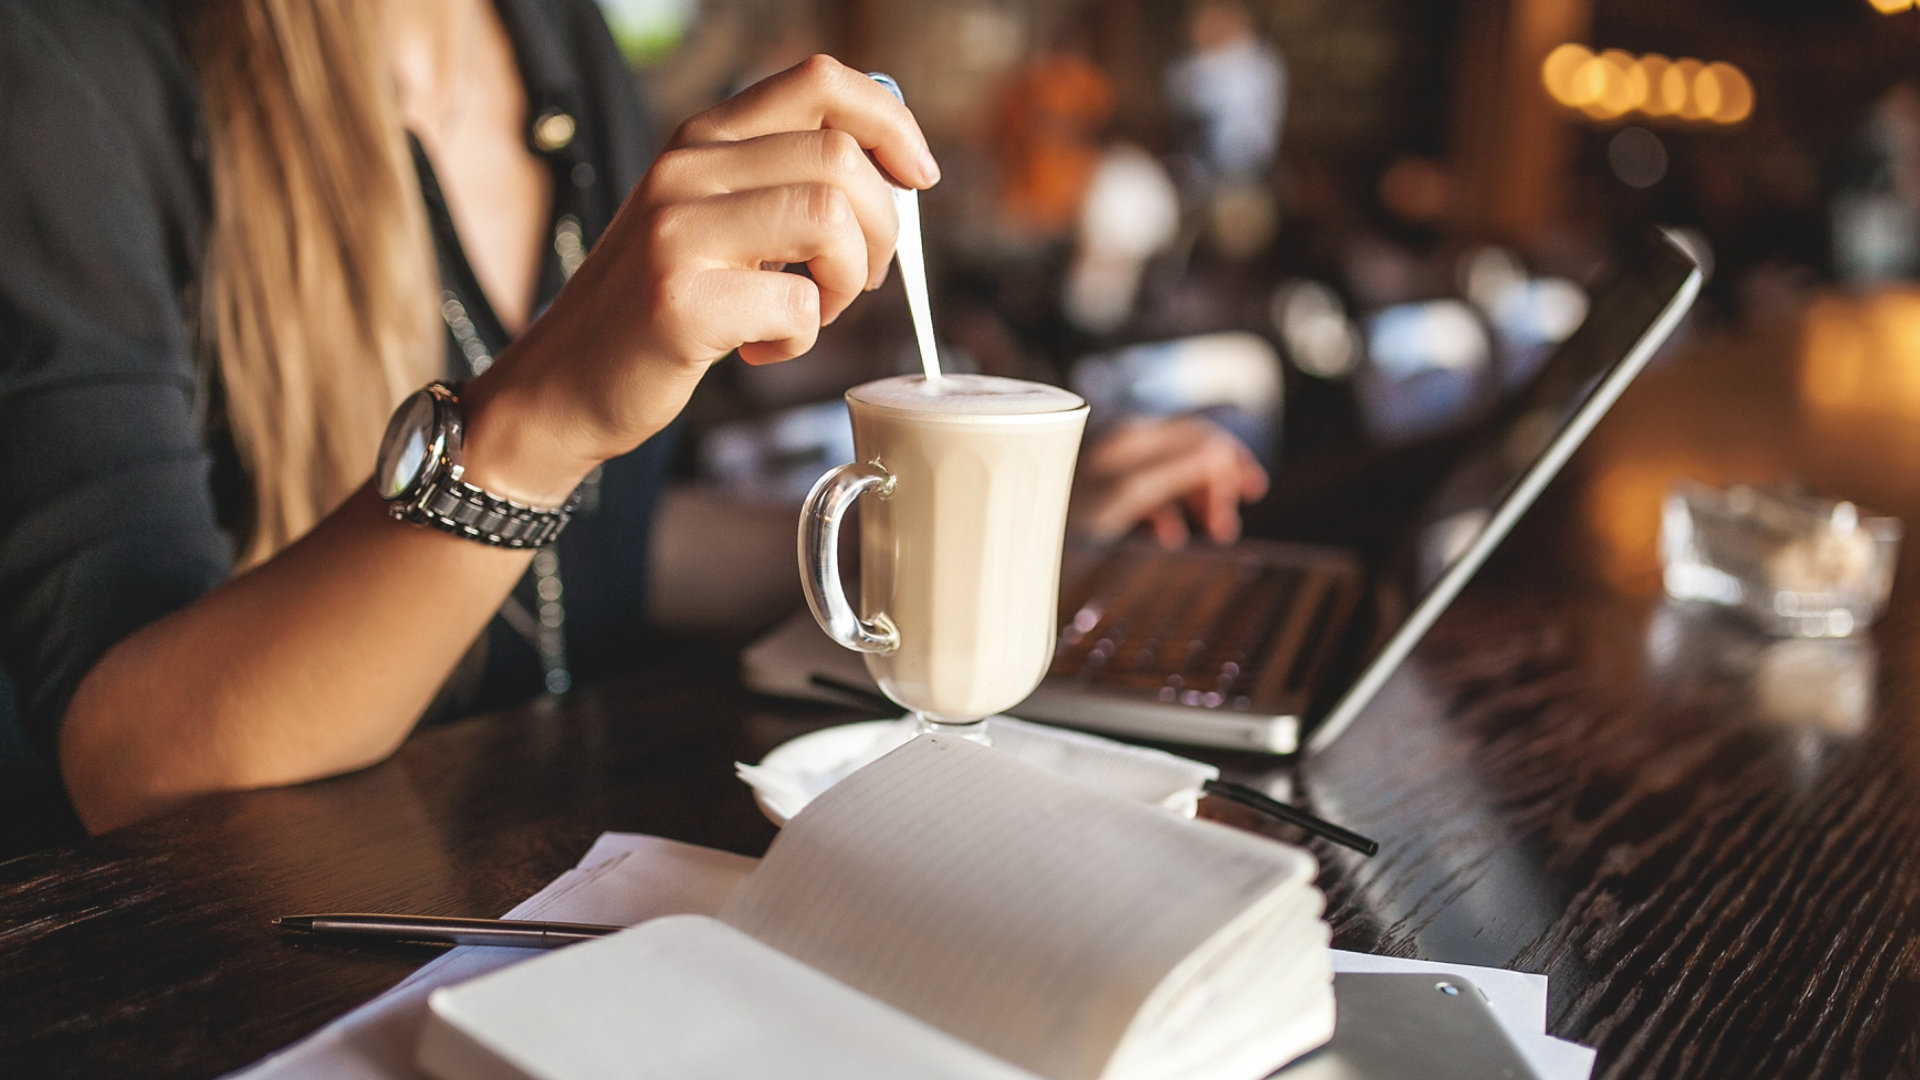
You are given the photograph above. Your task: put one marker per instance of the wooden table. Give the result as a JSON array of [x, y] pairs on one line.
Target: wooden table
[[1709, 840]]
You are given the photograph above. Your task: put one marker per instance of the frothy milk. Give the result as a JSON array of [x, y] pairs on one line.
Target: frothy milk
[[964, 555]]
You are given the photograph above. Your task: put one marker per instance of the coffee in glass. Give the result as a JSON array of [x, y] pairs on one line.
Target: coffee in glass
[[960, 546]]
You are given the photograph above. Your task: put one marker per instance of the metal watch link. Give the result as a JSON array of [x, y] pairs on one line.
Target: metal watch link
[[420, 476]]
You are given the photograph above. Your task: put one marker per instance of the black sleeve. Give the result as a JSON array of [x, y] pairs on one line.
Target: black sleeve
[[107, 521], [624, 130]]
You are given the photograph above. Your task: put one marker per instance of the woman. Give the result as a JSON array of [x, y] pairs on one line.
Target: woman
[[235, 234]]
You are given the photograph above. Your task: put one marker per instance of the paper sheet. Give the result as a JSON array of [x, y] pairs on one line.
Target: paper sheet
[[922, 881], [623, 879], [1518, 1000], [626, 879]]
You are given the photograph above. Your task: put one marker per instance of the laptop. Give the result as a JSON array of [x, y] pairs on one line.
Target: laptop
[[1237, 646]]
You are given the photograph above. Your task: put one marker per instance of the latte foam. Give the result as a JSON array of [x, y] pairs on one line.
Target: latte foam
[[965, 395]]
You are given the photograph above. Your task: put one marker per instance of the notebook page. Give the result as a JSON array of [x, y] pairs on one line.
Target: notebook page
[[1256, 996], [1017, 909], [680, 998], [1266, 943]]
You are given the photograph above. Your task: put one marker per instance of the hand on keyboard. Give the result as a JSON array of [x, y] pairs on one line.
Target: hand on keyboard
[[1165, 473]]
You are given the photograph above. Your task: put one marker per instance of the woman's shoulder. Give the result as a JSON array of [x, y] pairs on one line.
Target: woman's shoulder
[[94, 81], [120, 47], [103, 197]]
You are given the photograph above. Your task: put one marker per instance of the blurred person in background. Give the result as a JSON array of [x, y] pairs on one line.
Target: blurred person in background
[[1233, 85], [1046, 138], [236, 234], [1876, 209]]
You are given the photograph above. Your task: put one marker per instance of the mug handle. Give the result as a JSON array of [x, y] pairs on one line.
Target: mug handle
[[826, 505]]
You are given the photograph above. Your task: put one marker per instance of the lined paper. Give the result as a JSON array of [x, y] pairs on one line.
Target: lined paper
[[953, 882]]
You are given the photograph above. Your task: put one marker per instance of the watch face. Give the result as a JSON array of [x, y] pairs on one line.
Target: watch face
[[412, 444]]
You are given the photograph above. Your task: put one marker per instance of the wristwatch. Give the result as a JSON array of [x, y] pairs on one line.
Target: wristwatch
[[419, 474]]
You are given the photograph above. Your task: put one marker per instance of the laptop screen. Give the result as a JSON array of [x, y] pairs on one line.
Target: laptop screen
[[1633, 311]]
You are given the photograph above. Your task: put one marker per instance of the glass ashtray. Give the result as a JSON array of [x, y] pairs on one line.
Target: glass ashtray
[[1794, 564]]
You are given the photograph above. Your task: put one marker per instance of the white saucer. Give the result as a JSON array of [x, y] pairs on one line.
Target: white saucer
[[797, 770], [819, 759]]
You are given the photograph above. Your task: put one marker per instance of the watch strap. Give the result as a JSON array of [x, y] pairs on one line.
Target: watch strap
[[460, 508]]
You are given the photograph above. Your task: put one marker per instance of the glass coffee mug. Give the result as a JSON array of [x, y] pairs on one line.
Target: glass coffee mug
[[959, 545]]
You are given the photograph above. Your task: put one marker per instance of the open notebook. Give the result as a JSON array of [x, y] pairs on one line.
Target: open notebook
[[948, 911]]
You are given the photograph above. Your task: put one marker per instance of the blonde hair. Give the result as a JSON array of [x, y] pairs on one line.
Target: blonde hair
[[320, 289]]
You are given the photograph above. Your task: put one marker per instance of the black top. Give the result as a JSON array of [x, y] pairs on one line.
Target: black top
[[118, 484]]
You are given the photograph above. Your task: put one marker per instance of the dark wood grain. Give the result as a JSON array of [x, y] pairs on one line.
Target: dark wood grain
[[1709, 840], [150, 952]]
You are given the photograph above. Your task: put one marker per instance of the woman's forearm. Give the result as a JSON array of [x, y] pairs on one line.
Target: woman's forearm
[[319, 660], [316, 662]]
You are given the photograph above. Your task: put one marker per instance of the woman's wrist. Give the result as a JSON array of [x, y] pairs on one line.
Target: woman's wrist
[[512, 447]]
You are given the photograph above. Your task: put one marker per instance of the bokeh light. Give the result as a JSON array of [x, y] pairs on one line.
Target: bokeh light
[[1558, 70], [1682, 82], [1654, 68], [1637, 157], [1613, 83], [1616, 93], [1706, 92], [1736, 94], [1589, 84]]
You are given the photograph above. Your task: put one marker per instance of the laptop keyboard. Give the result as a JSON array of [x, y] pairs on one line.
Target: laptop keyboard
[[1211, 628]]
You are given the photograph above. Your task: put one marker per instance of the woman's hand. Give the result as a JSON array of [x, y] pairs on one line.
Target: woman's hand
[[690, 270], [319, 660], [1161, 472]]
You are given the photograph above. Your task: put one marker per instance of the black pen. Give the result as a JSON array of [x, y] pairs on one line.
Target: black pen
[[1292, 815], [509, 932]]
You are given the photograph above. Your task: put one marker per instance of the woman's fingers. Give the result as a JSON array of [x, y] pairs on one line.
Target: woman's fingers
[[1232, 477], [1189, 476], [796, 223], [772, 316], [1169, 527], [1137, 442], [780, 174], [789, 157], [1214, 500], [1156, 472], [821, 92]]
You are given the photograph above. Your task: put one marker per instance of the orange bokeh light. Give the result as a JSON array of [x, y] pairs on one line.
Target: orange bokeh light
[[1557, 71], [1617, 92], [1613, 83], [1736, 94], [1684, 74], [1589, 84], [1706, 92]]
